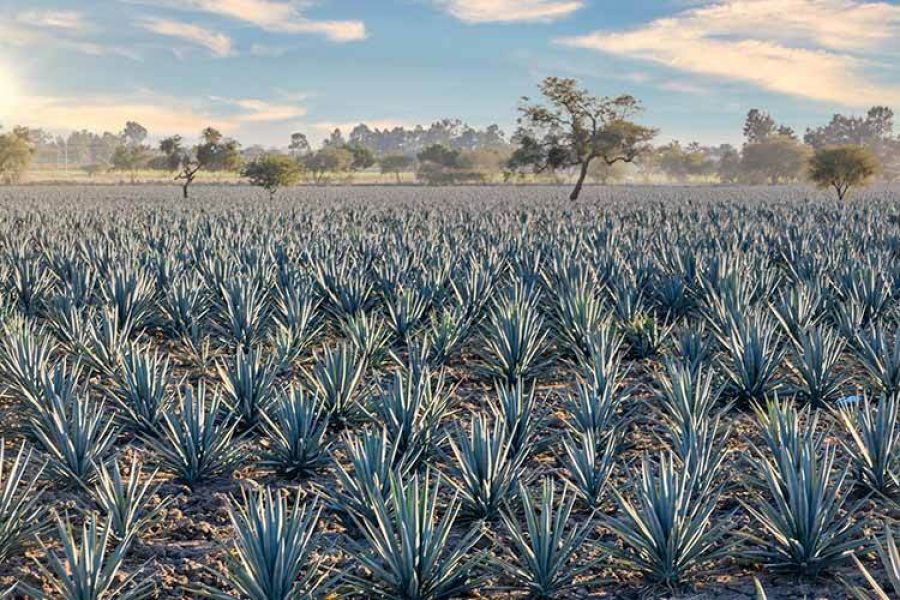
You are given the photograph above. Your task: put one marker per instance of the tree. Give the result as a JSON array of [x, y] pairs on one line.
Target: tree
[[577, 128], [680, 162], [272, 171], [728, 168], [134, 134], [299, 145], [396, 164], [131, 154], [877, 126], [604, 174], [758, 126], [776, 159], [16, 151], [363, 157], [214, 153], [329, 160], [843, 167], [335, 140]]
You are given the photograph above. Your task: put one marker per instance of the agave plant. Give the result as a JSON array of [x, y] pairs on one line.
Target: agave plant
[[411, 407], [880, 358], [589, 464], [486, 469], [248, 385], [125, 502], [337, 378], [25, 356], [806, 527], [753, 355], [514, 339], [874, 442], [890, 562], [75, 434], [195, 440], [517, 410], [448, 330], [21, 511], [541, 559], [407, 549], [89, 568], [295, 434], [273, 549], [667, 528], [242, 311], [373, 459], [813, 362], [368, 336], [594, 410], [140, 389]]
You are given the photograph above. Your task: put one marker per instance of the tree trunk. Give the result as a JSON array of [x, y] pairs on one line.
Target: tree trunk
[[184, 190], [580, 184]]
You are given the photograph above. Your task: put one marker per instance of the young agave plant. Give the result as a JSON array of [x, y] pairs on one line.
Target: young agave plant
[[407, 311], [273, 545], [890, 562], [809, 530], [594, 410], [880, 358], [875, 443], [514, 339], [248, 385], [407, 549], [295, 434], [667, 530], [752, 358], [813, 362], [194, 441], [242, 311], [125, 502], [106, 341], [75, 434], [486, 469], [368, 336], [296, 323], [589, 464], [89, 568], [517, 410], [373, 459], [783, 427], [337, 377], [411, 408], [541, 559], [447, 332], [25, 357], [140, 389], [21, 511]]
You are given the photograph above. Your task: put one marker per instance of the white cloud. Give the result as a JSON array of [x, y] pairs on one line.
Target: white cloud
[[271, 15], [161, 114], [825, 50], [507, 11], [218, 44], [69, 20]]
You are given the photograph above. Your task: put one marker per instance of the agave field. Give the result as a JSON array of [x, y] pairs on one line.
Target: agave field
[[425, 394]]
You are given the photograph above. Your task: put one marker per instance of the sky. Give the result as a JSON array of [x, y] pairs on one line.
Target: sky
[[262, 69]]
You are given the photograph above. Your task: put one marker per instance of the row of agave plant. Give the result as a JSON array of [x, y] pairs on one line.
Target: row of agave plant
[[402, 368]]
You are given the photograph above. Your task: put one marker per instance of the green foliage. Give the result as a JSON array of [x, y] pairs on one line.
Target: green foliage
[[295, 434], [125, 502], [21, 508], [843, 168], [271, 172], [874, 444], [16, 152]]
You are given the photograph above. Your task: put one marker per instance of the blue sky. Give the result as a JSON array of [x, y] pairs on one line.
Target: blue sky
[[260, 69]]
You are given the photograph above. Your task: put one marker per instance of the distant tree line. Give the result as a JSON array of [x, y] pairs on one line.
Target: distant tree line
[[568, 134]]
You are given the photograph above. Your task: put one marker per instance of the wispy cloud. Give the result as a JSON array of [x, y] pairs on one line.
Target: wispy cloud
[[827, 50], [271, 15], [508, 11], [218, 44], [69, 20]]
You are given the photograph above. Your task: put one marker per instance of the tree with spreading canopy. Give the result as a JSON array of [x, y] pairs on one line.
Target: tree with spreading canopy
[[326, 162], [575, 128], [214, 153], [272, 171], [395, 164], [843, 168]]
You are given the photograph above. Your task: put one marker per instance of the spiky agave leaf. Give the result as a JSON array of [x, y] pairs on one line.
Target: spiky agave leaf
[[21, 511], [295, 434], [813, 361], [337, 378], [248, 384], [589, 464], [667, 528], [406, 545], [486, 469], [890, 562], [273, 546], [517, 410], [514, 339], [752, 357], [89, 568], [874, 443], [880, 358], [195, 439], [125, 502], [140, 391], [542, 558]]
